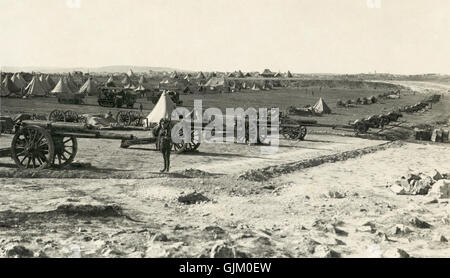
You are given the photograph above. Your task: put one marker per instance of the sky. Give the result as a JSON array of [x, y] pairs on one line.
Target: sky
[[303, 36]]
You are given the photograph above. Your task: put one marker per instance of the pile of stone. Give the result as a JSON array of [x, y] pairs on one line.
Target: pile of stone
[[435, 185]]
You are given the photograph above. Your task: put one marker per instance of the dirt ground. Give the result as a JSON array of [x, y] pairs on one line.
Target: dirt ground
[[325, 197]]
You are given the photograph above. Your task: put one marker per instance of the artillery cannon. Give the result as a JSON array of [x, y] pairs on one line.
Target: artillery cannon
[[130, 118], [64, 116], [41, 144]]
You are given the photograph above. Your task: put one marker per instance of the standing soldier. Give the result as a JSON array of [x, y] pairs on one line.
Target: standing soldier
[[165, 142], [141, 107]]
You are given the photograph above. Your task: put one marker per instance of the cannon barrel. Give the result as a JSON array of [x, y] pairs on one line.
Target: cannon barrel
[[78, 130]]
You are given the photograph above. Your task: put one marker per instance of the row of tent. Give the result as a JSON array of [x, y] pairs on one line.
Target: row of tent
[[236, 74], [43, 85]]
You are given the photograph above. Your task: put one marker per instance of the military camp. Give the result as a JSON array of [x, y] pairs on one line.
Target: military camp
[[224, 129]]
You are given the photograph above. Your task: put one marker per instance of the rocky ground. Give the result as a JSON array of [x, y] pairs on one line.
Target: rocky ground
[[331, 196]]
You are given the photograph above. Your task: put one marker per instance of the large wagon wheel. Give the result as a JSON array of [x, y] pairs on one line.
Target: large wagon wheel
[[71, 116], [285, 132], [293, 134], [32, 147], [302, 133], [124, 118], [360, 127], [384, 120], [187, 146], [65, 150], [195, 140], [57, 116]]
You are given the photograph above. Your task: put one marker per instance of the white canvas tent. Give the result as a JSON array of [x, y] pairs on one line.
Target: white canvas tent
[[130, 73], [18, 81], [110, 82], [3, 89], [35, 88], [255, 87], [162, 110], [61, 87], [321, 107], [50, 82], [89, 87], [44, 83], [140, 88]]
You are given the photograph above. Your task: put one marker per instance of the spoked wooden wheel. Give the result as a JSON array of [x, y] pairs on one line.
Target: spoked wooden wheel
[[124, 118], [283, 131], [188, 146], [195, 140], [71, 116], [57, 116], [360, 127], [384, 121], [32, 147], [290, 133], [65, 150], [302, 133]]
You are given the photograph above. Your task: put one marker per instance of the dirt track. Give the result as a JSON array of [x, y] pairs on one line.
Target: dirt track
[[293, 215]]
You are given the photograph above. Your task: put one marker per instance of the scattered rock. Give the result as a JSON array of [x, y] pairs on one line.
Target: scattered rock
[[339, 232], [155, 251], [441, 189], [420, 223], [336, 194], [443, 239], [414, 184], [398, 189], [323, 251], [433, 201], [269, 187], [160, 237], [401, 230], [192, 198], [194, 173], [262, 241], [41, 254], [436, 175], [367, 227], [214, 229], [19, 251], [222, 250], [339, 242], [396, 253], [413, 176], [364, 229]]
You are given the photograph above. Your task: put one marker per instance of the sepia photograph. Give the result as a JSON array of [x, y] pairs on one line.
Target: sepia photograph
[[232, 129]]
